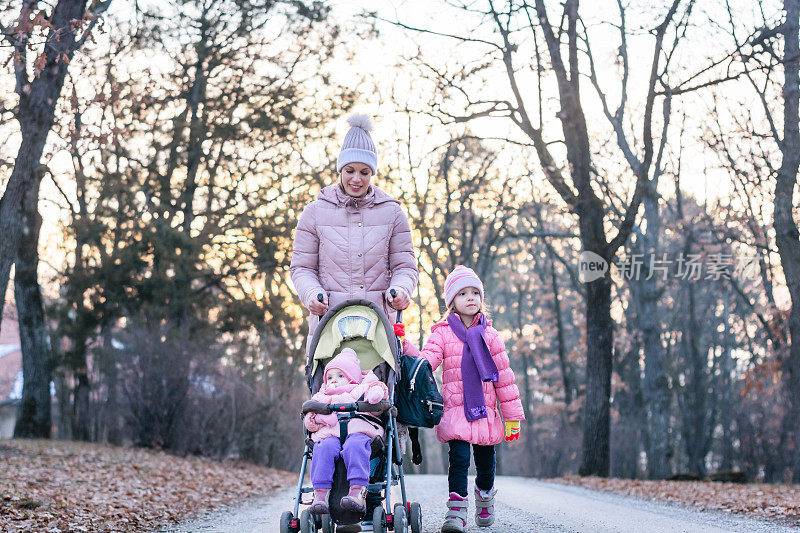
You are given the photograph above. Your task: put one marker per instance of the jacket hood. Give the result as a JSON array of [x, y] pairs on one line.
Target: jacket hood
[[348, 363], [335, 195]]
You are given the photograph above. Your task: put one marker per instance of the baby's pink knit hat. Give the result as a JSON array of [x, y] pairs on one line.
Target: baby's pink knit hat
[[460, 278], [347, 361]]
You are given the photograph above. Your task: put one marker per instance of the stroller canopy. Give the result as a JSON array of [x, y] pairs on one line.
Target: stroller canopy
[[356, 326]]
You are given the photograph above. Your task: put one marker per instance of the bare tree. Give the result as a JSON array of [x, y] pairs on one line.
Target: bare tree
[[66, 29], [38, 87], [787, 236], [576, 180], [775, 155]]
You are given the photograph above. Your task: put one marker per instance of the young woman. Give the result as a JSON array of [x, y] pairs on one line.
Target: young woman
[[354, 241]]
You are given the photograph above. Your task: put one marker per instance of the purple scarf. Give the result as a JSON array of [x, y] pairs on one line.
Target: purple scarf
[[477, 365]]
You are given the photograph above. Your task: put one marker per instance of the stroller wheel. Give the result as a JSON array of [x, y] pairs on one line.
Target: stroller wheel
[[286, 520], [379, 520], [400, 518], [327, 524], [308, 523], [415, 517]]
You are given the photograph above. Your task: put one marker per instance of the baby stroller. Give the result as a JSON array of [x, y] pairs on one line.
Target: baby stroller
[[363, 327]]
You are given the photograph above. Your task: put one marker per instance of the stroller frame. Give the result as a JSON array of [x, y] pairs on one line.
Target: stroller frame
[[404, 514]]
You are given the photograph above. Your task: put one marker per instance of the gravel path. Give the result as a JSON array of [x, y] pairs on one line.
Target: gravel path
[[523, 506]]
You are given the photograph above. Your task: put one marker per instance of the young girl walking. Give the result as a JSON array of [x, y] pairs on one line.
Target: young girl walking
[[476, 375]]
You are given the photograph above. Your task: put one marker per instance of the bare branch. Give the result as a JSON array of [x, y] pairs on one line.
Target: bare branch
[[438, 33], [101, 8], [647, 138]]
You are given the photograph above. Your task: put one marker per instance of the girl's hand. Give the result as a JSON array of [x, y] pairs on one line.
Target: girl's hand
[[512, 430], [319, 308], [399, 302]]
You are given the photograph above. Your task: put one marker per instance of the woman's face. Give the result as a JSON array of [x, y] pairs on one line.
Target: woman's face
[[355, 179]]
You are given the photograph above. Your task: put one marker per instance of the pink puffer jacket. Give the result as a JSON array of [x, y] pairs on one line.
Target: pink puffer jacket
[[324, 426], [352, 248], [443, 347]]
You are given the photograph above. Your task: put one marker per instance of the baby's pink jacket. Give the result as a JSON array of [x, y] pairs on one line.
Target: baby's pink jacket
[[324, 426]]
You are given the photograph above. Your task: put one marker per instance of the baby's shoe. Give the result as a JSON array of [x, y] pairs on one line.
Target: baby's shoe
[[455, 521], [484, 506], [355, 499], [320, 503]]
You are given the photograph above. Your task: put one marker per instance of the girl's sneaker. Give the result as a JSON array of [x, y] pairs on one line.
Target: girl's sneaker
[[455, 521], [320, 503], [484, 506], [356, 499]]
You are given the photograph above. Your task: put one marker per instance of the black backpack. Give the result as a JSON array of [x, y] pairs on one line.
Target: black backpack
[[417, 397]]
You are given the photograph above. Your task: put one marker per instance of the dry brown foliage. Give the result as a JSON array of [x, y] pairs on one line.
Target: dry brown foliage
[[758, 500], [69, 486]]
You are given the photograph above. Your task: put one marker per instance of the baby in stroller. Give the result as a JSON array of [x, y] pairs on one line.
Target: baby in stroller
[[351, 369], [344, 382]]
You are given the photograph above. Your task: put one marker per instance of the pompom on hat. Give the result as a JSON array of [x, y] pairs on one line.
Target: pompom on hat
[[358, 146], [460, 278]]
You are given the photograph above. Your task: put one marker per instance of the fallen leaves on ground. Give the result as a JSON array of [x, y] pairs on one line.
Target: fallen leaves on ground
[[759, 500], [54, 486]]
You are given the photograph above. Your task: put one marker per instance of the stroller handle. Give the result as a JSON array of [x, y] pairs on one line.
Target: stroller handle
[[399, 312], [312, 406]]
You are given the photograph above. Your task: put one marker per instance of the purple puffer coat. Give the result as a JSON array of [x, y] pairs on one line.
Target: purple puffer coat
[[352, 248]]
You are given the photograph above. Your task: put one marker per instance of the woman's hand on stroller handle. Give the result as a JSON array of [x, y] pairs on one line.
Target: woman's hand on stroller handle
[[398, 299], [320, 305]]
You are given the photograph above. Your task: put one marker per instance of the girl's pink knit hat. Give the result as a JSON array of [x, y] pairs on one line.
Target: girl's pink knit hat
[[460, 278]]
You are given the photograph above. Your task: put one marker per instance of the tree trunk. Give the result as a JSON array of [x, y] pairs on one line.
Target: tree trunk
[[64, 411], [81, 408], [37, 102], [566, 375], [81, 324], [526, 402], [627, 401], [787, 237], [113, 411], [697, 385], [22, 179], [726, 377], [596, 418], [656, 382], [34, 415]]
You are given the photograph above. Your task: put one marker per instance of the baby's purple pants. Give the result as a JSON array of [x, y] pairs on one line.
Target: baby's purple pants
[[355, 454]]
